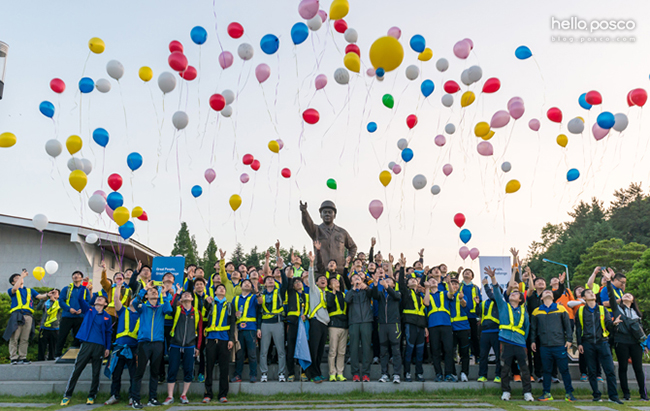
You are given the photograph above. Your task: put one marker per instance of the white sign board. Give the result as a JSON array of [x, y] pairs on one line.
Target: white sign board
[[502, 267]]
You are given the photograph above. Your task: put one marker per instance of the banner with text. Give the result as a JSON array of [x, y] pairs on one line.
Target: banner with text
[[502, 267], [163, 265]]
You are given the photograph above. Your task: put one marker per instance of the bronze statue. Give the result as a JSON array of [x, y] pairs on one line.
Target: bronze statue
[[334, 240]]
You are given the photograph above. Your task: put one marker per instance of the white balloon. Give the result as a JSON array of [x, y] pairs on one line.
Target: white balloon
[[402, 143], [506, 166], [341, 75], [86, 166], [97, 203], [229, 95], [412, 72], [227, 111], [75, 164], [450, 128], [380, 78], [620, 122], [447, 100], [419, 181], [40, 221], [103, 86], [475, 73], [115, 69], [166, 82], [315, 23], [391, 165], [180, 120], [435, 190], [442, 65], [351, 35], [53, 148], [51, 267], [92, 238], [245, 51], [575, 126], [464, 78]]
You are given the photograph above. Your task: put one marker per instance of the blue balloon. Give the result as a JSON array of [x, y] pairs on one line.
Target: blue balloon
[[269, 44], [572, 174], [418, 43], [582, 100], [47, 109], [299, 33], [114, 200], [380, 72], [127, 230], [199, 35], [427, 87], [372, 127], [134, 161], [100, 136], [197, 191], [465, 235], [407, 154], [523, 52], [86, 85], [606, 120]]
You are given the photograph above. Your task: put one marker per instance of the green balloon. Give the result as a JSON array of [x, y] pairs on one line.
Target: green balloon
[[388, 100], [331, 183]]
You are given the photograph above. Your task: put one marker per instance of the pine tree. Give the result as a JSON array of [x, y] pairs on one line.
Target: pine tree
[[209, 258], [185, 245], [237, 257]]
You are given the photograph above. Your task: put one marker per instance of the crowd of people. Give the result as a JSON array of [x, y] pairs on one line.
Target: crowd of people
[[373, 310]]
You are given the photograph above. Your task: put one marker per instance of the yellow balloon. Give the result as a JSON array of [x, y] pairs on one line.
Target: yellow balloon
[[481, 129], [488, 135], [352, 62], [467, 98], [38, 273], [73, 144], [274, 146], [235, 202], [562, 140], [121, 215], [387, 53], [426, 55], [96, 45], [513, 186], [78, 180], [385, 177], [7, 140], [339, 9], [145, 73], [136, 212]]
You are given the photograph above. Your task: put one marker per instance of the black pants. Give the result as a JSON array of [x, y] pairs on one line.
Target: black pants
[[318, 333], [414, 351], [292, 336], [604, 355], [510, 352], [66, 325], [47, 342], [389, 338], [535, 359], [635, 352], [461, 339], [216, 351], [148, 352], [376, 351], [165, 351], [489, 341], [474, 338], [442, 339], [116, 376], [88, 352]]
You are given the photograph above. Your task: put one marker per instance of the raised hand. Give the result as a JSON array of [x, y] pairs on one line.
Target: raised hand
[[103, 265], [317, 245], [139, 267], [421, 253], [277, 245], [402, 260], [373, 242], [303, 206], [618, 320], [514, 253], [347, 260], [311, 257], [391, 259], [607, 276], [222, 254], [489, 271], [562, 277]]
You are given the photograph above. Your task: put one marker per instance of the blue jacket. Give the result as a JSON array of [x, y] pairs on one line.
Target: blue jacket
[[70, 299], [152, 319], [509, 336], [96, 328]]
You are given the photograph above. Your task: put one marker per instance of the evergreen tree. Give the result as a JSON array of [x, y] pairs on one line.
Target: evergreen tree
[[613, 253], [185, 245], [237, 257], [209, 258], [639, 286]]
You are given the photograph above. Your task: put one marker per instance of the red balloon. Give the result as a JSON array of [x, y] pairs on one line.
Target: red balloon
[[143, 216], [217, 102], [248, 159], [459, 220], [311, 116], [451, 87], [411, 120], [638, 96], [630, 103], [57, 85], [491, 85], [340, 26], [177, 61], [175, 46], [235, 30], [353, 48], [115, 181], [255, 165], [189, 74], [594, 98], [286, 173], [554, 114]]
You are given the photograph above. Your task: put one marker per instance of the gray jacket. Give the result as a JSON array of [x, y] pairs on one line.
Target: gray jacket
[[359, 306]]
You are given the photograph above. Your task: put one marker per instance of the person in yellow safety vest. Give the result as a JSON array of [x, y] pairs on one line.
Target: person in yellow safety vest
[[318, 320], [71, 316], [297, 309], [618, 285], [489, 315], [140, 278], [331, 270], [414, 321], [168, 282], [472, 294], [124, 295], [338, 330], [246, 311], [460, 326], [232, 290], [296, 261], [49, 329], [198, 287], [437, 301]]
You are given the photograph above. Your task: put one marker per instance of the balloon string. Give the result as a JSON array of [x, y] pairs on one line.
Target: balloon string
[[196, 201], [126, 123], [216, 28], [40, 255], [178, 172], [159, 133], [268, 110], [277, 85], [85, 63]]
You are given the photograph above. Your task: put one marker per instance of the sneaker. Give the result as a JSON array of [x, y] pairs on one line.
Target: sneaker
[[516, 378], [570, 398], [332, 378], [281, 378], [137, 405], [264, 378], [168, 401], [184, 399], [584, 378], [90, 401], [24, 362], [111, 400], [497, 380], [161, 379], [365, 378], [201, 377], [65, 401], [303, 377], [482, 379], [546, 397], [253, 380], [384, 378], [223, 400], [616, 401], [14, 362], [407, 377], [539, 380], [355, 378], [438, 378], [396, 379], [236, 378], [528, 397], [597, 399], [451, 378], [463, 377], [130, 402], [419, 378], [153, 403], [532, 379], [555, 380], [505, 396], [341, 378], [291, 378], [600, 379], [626, 397], [206, 400], [317, 379], [375, 360]]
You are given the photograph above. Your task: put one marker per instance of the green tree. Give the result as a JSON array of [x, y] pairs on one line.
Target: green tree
[[638, 283], [630, 215], [185, 245], [612, 253], [254, 258], [237, 256], [209, 258]]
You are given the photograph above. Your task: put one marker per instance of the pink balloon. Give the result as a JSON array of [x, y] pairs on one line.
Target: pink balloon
[[516, 110], [323, 15], [463, 252], [534, 124], [395, 32], [262, 72], [485, 148], [397, 169], [280, 143], [500, 119], [515, 100], [376, 208], [244, 178], [101, 193], [370, 72], [599, 133], [470, 42], [473, 253], [109, 211], [308, 9], [210, 175], [225, 59], [462, 49], [321, 81], [440, 140], [447, 169]]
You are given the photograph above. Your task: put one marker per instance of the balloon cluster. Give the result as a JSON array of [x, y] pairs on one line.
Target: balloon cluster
[[465, 236]]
